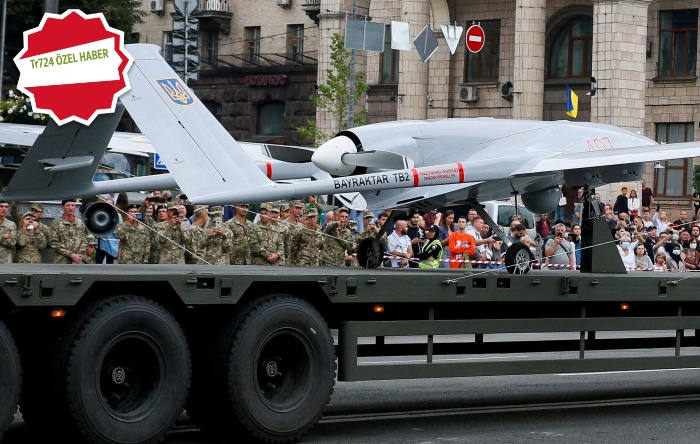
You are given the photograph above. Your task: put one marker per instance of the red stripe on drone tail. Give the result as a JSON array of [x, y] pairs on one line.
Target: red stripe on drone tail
[[415, 177], [268, 165]]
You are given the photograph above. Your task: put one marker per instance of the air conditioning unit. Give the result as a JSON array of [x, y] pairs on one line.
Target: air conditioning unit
[[468, 93], [284, 3], [157, 6]]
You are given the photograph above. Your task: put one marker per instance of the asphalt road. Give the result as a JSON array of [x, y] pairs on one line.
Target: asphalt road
[[635, 407]]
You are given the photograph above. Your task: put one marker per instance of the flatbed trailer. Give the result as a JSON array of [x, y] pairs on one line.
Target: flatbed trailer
[[115, 353]]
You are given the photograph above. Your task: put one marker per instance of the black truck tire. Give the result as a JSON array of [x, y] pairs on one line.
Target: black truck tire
[[125, 371], [10, 378], [518, 258], [280, 368]]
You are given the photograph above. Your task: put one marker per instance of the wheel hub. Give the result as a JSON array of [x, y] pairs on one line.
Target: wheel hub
[[272, 369], [118, 375]]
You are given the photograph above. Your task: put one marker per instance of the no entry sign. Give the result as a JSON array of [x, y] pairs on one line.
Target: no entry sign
[[475, 38], [73, 66]]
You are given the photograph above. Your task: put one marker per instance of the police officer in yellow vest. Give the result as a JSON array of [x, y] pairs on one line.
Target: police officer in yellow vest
[[431, 250]]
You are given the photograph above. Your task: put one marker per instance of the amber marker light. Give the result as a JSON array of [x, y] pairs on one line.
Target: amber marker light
[[58, 313], [378, 308], [624, 306]]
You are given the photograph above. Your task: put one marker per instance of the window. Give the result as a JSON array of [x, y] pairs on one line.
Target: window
[[295, 42], [678, 45], [483, 65], [252, 44], [271, 118], [168, 46], [572, 51], [389, 60], [210, 46], [675, 179]]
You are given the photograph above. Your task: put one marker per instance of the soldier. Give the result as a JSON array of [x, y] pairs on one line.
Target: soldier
[[369, 232], [215, 242], [306, 243], [134, 237], [293, 223], [342, 215], [171, 237], [8, 234], [68, 236], [240, 227], [193, 237], [90, 250], [30, 240], [266, 243], [37, 210]]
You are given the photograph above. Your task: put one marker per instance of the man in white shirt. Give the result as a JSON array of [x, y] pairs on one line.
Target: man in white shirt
[[399, 245], [483, 244]]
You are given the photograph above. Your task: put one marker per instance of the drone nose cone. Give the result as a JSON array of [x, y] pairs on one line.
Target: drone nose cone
[[328, 157]]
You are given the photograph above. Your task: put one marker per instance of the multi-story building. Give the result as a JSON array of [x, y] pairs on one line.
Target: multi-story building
[[631, 62]]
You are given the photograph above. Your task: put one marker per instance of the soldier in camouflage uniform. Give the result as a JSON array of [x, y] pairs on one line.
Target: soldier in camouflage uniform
[[134, 238], [30, 240], [90, 250], [368, 233], [306, 243], [345, 240], [171, 237], [37, 210], [240, 227], [193, 237], [266, 243], [68, 236], [215, 241], [8, 235], [293, 223]]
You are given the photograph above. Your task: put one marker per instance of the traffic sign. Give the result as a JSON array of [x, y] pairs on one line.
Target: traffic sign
[[158, 163], [186, 7], [475, 38]]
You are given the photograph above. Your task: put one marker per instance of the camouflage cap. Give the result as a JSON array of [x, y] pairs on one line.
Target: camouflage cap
[[341, 210], [296, 203], [27, 213], [36, 206], [200, 211], [367, 214], [216, 214], [173, 206], [310, 212], [217, 208], [266, 206], [275, 208], [352, 223], [91, 240], [284, 207]]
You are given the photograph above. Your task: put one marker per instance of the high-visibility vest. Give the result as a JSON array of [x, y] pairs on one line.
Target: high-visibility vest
[[426, 263]]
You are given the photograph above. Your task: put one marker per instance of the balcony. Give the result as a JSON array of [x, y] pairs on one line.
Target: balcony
[[259, 60], [215, 14], [312, 8]]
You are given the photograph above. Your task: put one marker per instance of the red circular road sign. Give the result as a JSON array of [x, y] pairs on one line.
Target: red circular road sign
[[475, 38]]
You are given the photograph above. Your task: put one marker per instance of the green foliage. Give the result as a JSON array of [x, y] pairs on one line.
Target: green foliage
[[18, 109], [696, 178], [334, 95]]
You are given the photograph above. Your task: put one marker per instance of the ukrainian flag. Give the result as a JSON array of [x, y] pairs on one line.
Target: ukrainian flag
[[571, 102]]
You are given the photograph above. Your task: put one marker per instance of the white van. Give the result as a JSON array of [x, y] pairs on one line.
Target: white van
[[502, 211]]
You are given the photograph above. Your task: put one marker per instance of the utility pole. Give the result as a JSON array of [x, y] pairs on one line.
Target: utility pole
[[2, 44]]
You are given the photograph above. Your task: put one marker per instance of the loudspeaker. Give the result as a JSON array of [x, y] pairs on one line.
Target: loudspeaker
[[100, 218]]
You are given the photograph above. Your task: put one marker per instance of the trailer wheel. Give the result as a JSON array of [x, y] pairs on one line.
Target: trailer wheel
[[10, 378], [125, 371], [518, 258], [281, 368]]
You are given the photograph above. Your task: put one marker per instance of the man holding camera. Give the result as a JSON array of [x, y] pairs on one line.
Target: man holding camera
[[134, 238], [171, 237], [558, 251], [214, 240]]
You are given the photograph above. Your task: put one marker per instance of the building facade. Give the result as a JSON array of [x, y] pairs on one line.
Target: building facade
[[631, 62]]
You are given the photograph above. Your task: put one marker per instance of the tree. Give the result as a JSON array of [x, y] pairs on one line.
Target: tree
[[18, 109], [334, 95]]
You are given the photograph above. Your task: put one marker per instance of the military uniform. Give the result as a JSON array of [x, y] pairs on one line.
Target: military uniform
[[67, 238], [90, 259], [135, 243], [305, 245], [171, 239], [335, 243], [7, 246], [239, 254], [265, 240], [29, 244], [215, 247]]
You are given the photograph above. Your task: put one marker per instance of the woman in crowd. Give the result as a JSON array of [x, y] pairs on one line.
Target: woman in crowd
[[641, 260], [660, 220], [447, 227], [674, 259], [626, 253], [633, 204], [575, 239]]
